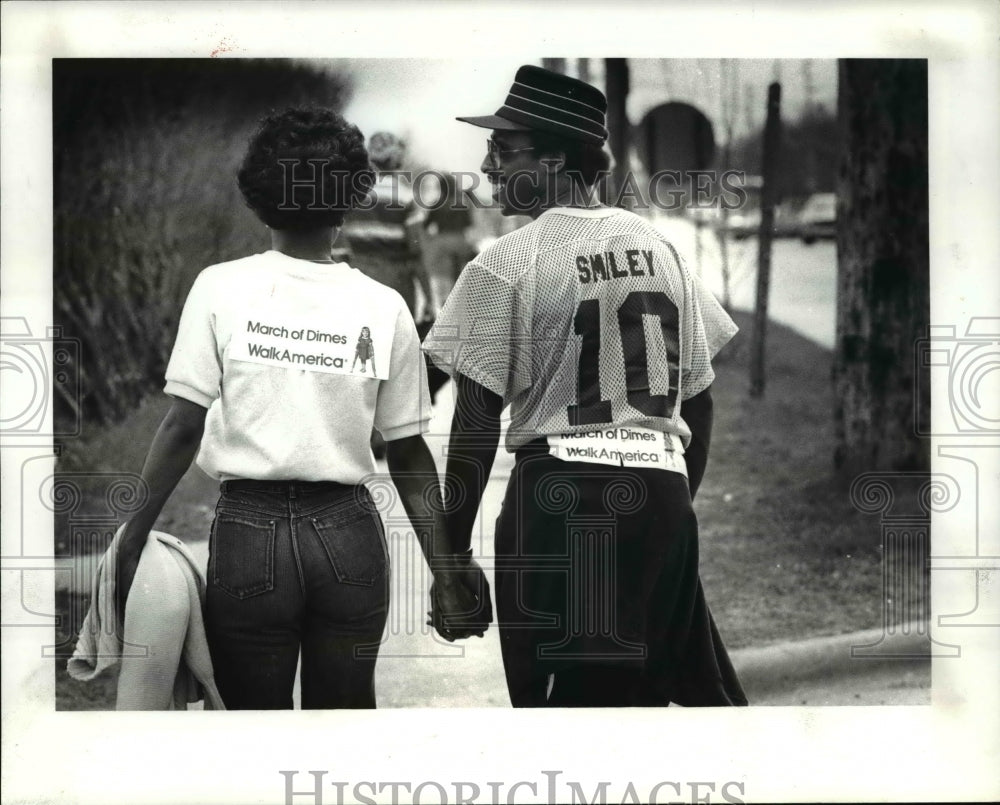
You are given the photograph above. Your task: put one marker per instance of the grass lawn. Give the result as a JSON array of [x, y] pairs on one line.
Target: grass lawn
[[784, 555]]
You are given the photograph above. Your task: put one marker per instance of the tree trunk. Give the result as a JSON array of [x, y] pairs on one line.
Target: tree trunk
[[768, 200], [883, 278]]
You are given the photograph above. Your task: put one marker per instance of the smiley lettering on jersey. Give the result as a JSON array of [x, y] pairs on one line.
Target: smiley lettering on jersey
[[605, 266]]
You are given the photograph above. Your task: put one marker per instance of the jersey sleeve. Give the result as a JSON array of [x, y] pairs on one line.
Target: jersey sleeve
[[707, 329], [480, 333], [194, 371], [403, 407]]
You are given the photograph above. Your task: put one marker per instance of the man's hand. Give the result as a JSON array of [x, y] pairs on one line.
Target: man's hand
[[460, 601]]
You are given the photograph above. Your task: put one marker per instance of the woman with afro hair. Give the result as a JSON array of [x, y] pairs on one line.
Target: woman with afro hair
[[263, 395]]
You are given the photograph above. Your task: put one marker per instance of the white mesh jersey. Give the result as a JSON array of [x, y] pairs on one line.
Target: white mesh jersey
[[583, 319]]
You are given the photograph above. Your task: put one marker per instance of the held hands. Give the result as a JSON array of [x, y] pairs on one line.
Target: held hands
[[460, 600]]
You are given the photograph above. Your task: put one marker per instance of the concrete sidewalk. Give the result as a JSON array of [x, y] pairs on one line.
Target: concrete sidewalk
[[873, 667], [417, 668]]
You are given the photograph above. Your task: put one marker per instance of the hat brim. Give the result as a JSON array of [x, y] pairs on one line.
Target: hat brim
[[494, 122]]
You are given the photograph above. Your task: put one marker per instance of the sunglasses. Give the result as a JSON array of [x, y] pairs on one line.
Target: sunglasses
[[495, 149]]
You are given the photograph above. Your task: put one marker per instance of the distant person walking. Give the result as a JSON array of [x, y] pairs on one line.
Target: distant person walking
[[384, 234], [448, 226], [384, 238], [264, 396]]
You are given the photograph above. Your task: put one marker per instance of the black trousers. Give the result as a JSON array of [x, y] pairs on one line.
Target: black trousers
[[599, 601]]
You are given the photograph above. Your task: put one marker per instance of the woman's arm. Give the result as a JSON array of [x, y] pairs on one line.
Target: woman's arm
[[412, 468], [173, 449]]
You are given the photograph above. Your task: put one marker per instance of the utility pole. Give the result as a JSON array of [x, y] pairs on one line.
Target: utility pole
[[727, 115], [749, 118], [617, 86], [768, 199], [808, 87]]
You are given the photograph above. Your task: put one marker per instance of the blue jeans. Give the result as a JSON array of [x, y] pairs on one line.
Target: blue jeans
[[296, 565]]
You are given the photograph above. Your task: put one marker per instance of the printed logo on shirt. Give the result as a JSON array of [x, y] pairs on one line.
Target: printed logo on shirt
[[344, 342], [622, 446]]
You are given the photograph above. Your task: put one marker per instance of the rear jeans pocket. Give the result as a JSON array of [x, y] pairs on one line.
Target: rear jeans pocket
[[355, 544], [242, 554]]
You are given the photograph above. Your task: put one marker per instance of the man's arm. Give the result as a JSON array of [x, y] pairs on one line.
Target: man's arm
[[697, 413], [173, 449], [472, 448]]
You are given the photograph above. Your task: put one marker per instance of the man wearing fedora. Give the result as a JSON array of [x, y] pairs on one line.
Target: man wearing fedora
[[587, 323]]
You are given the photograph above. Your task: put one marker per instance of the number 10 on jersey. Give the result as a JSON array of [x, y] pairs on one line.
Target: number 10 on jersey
[[590, 408]]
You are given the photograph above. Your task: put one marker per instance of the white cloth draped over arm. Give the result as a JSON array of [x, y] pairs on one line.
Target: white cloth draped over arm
[[162, 649]]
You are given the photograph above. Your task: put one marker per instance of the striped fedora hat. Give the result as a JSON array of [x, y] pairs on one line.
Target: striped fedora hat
[[542, 100]]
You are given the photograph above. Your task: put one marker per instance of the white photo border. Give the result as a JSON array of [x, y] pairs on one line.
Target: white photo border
[[944, 752]]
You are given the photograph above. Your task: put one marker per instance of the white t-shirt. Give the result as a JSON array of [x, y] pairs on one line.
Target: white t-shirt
[[269, 344], [583, 321]]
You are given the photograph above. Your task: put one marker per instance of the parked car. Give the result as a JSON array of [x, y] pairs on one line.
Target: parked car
[[818, 218], [742, 223], [745, 222]]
